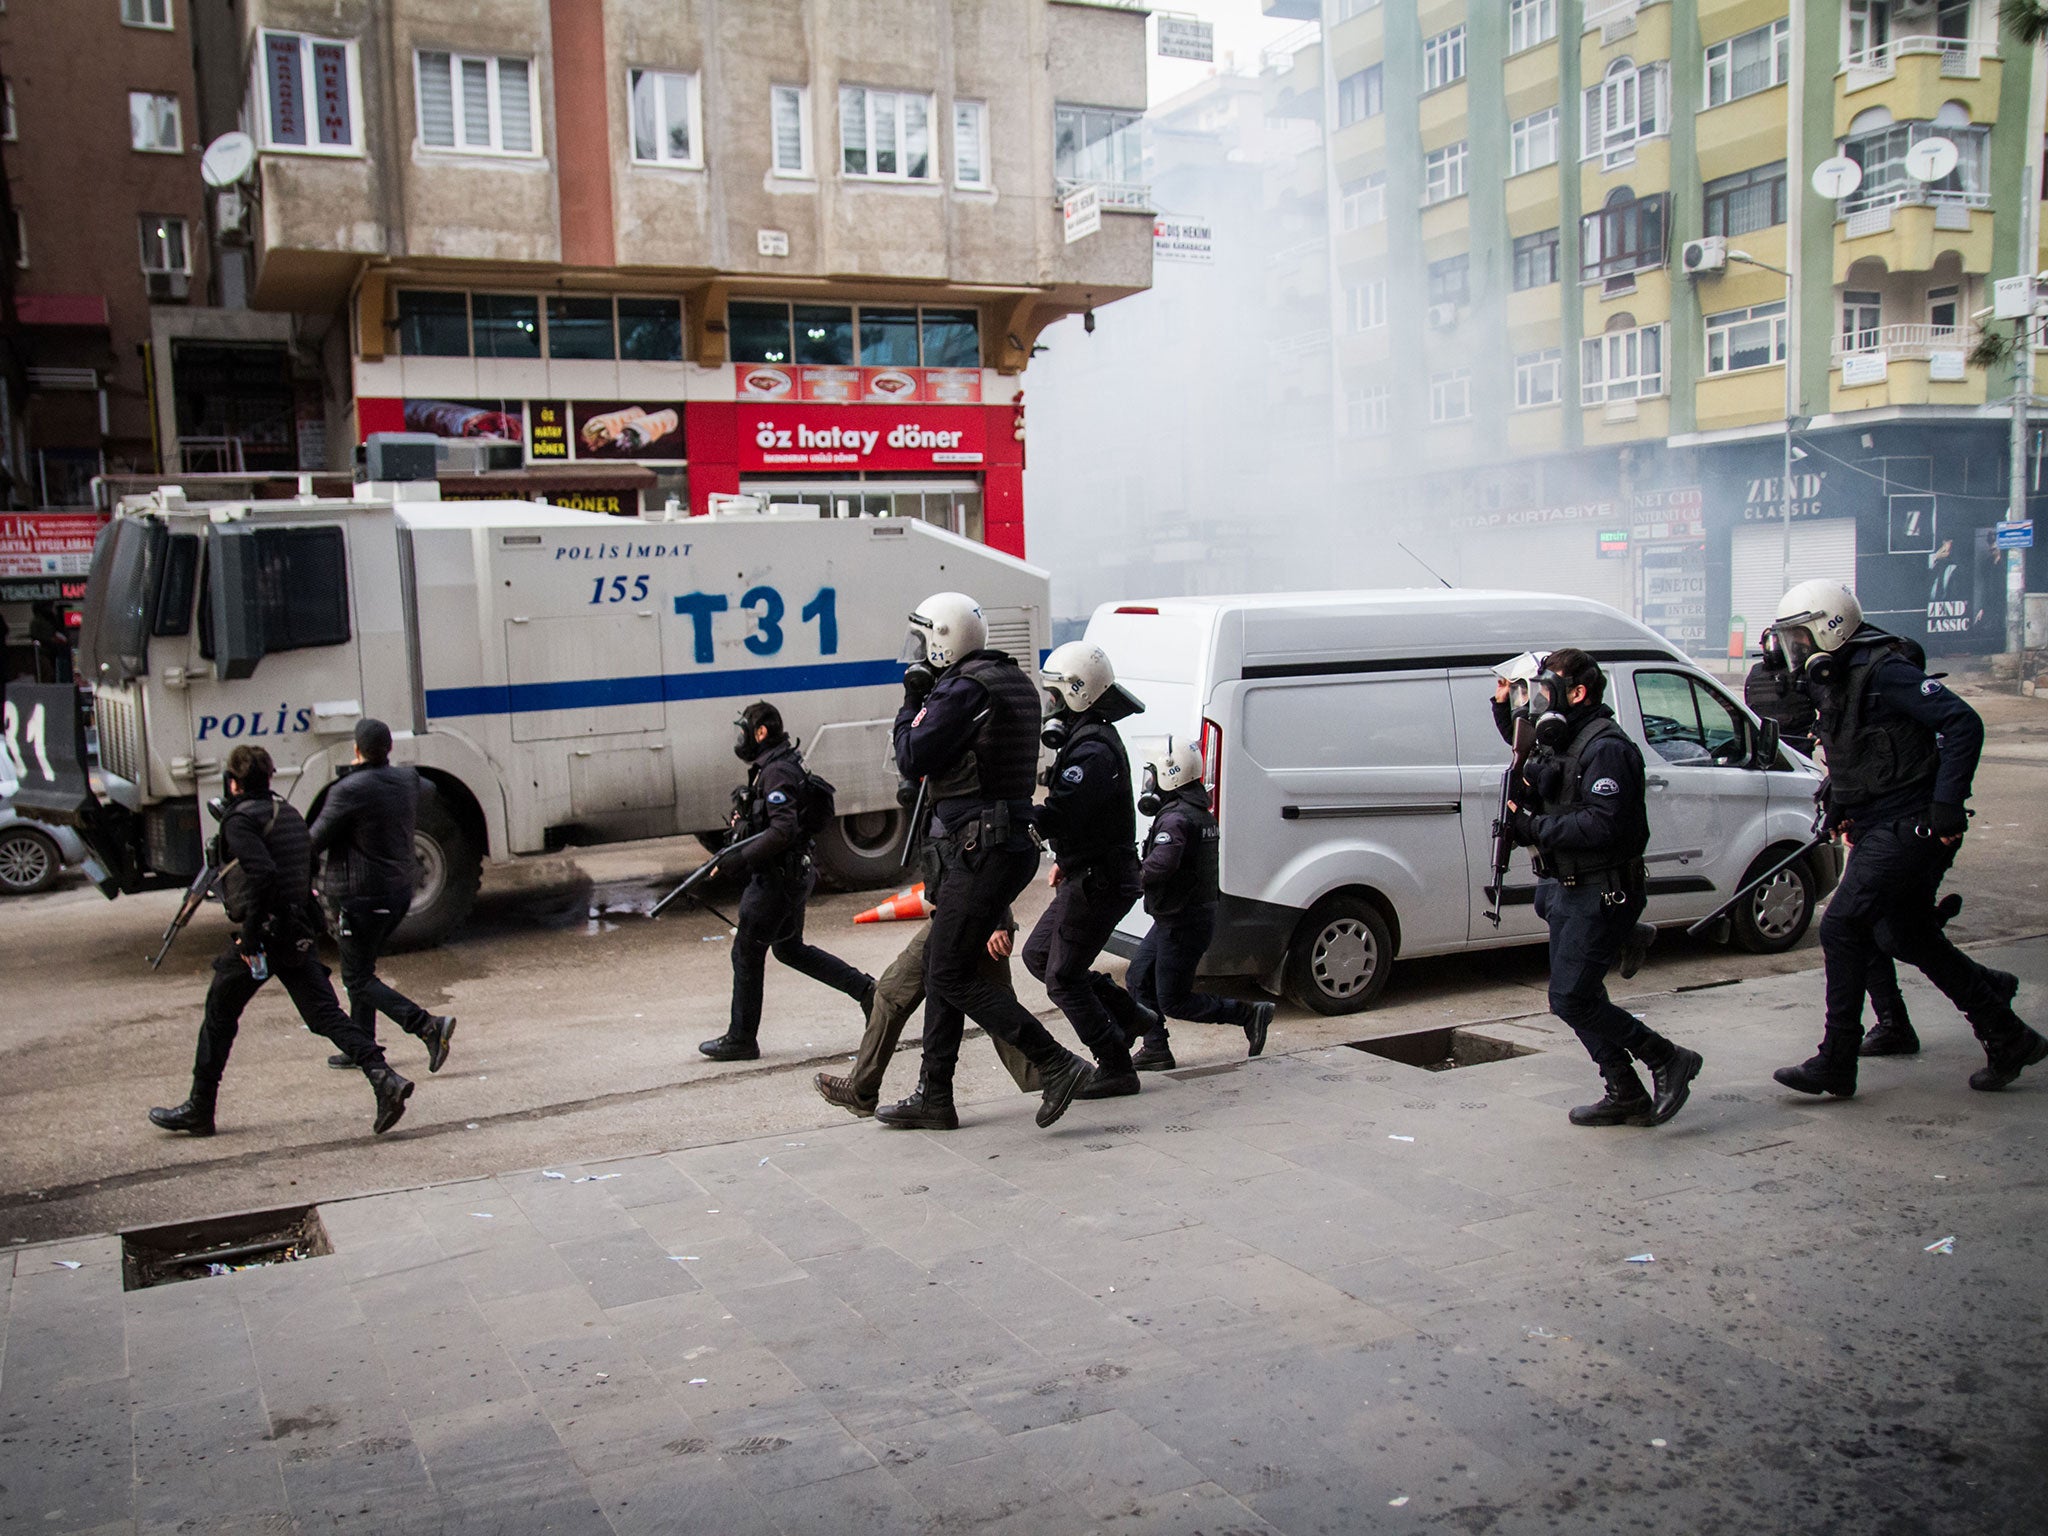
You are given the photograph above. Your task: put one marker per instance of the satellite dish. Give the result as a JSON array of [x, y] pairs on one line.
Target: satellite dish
[[1931, 159], [1837, 176], [227, 160]]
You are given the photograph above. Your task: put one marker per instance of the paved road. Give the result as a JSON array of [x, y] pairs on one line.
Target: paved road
[[580, 1020]]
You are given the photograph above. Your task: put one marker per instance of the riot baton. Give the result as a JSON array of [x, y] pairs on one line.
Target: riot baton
[[702, 873], [1818, 840]]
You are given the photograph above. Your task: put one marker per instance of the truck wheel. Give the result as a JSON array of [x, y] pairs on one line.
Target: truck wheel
[[29, 861], [858, 853], [450, 868], [1341, 955], [1775, 916]]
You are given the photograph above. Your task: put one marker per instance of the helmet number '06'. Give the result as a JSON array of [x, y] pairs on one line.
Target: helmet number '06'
[[767, 608]]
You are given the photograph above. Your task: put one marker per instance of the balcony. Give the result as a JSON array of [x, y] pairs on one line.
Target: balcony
[[1942, 347], [1119, 196], [1960, 60]]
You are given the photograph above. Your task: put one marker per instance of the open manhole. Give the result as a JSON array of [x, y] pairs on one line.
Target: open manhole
[[1441, 1050], [219, 1245]]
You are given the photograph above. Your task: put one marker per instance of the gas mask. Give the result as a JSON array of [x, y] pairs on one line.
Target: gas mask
[[1149, 796], [1542, 701], [1809, 662], [1057, 725], [919, 675], [1773, 652], [745, 748]]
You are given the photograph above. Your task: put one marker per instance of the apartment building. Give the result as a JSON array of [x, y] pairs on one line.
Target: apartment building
[[652, 253], [1564, 233]]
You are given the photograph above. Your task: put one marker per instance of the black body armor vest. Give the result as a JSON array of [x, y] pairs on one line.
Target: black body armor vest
[[1115, 832], [1006, 745], [1873, 759], [1576, 864]]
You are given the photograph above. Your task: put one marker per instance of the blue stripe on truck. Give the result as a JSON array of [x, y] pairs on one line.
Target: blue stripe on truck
[[655, 688]]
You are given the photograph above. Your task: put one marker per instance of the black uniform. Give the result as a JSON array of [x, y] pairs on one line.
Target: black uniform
[[979, 856], [1180, 881], [1589, 826], [365, 832], [1089, 820], [779, 882], [1901, 753]]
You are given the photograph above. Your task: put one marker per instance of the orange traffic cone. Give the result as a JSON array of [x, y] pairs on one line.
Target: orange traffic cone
[[901, 907]]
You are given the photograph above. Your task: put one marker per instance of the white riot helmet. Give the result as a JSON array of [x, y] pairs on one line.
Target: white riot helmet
[[1077, 677], [1816, 618], [945, 628], [1176, 763]]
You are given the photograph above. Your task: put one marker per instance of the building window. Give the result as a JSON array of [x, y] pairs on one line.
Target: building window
[[1360, 96], [1532, 142], [1098, 145], [1748, 200], [146, 13], [1366, 407], [1368, 304], [1530, 22], [883, 336], [1882, 153], [651, 330], [478, 106], [1626, 107], [1450, 395], [311, 96], [1535, 260], [433, 324], [1862, 320], [154, 124], [885, 135], [1746, 338], [1450, 280], [580, 327], [1443, 173], [970, 145], [1624, 364], [1944, 312], [163, 244], [1625, 236], [1538, 378], [665, 117], [505, 325], [1346, 9], [1365, 202], [1754, 61], [1443, 59], [789, 109], [20, 239], [10, 129]]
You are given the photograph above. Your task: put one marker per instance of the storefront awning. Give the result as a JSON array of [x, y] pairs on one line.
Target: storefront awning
[[85, 309]]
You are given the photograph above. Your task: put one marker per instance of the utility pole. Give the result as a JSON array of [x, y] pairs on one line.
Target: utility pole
[[1795, 201], [2023, 365]]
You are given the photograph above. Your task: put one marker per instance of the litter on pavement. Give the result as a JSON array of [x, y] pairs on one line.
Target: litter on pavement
[[1641, 1258], [67, 1263], [1400, 1138], [1946, 1245]]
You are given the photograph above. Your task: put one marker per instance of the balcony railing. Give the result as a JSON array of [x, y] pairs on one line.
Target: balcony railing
[[1960, 60], [1869, 213], [1300, 344], [1904, 342], [1131, 196], [1279, 59]]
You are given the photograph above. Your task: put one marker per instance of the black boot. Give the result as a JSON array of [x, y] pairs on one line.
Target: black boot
[[1108, 1083], [731, 1047], [1255, 1032], [928, 1109], [2008, 985], [392, 1092], [839, 1091], [1636, 948], [2002, 1062], [1626, 1097], [194, 1117], [1891, 1035], [439, 1031], [1672, 1080], [1154, 1058], [1062, 1082], [1823, 1073]]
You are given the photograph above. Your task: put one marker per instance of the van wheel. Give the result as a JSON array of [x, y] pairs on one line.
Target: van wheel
[[29, 861], [858, 853], [1341, 956], [1776, 915], [450, 869]]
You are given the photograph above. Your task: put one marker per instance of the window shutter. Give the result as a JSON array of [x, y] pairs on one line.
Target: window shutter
[[788, 128], [1589, 125], [476, 102], [515, 105], [437, 101]]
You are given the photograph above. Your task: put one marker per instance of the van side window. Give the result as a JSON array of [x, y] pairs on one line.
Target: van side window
[[1685, 724], [174, 586], [302, 585]]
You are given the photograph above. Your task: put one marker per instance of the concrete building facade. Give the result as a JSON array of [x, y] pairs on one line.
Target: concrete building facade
[[1587, 213]]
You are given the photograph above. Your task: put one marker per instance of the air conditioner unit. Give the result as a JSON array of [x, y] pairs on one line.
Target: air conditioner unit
[[167, 287], [1443, 316], [1699, 256], [476, 455], [230, 211]]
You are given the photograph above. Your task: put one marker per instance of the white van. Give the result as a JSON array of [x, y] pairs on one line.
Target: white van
[[1349, 744]]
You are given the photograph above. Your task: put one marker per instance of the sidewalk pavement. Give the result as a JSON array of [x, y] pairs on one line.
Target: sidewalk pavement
[[1246, 1301]]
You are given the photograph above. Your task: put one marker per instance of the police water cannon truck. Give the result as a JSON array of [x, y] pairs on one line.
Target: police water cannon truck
[[559, 678]]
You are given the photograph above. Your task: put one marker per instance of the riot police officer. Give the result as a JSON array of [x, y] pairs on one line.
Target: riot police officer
[[1089, 819], [961, 698], [1901, 752], [779, 882], [1179, 877], [1581, 806]]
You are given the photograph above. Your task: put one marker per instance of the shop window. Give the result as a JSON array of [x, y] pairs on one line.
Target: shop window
[[758, 333], [824, 333], [789, 109], [433, 324], [952, 338], [478, 106], [505, 325], [1450, 280], [888, 338], [1748, 200], [1537, 378], [665, 115], [1752, 62], [1443, 59], [1625, 236], [1535, 260], [651, 330], [311, 101], [885, 135], [1360, 95], [154, 124], [580, 328], [1746, 338]]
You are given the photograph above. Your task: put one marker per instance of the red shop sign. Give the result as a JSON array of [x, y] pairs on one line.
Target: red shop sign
[[785, 437]]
